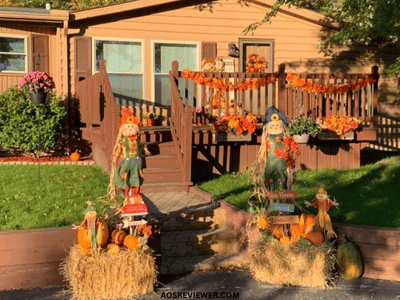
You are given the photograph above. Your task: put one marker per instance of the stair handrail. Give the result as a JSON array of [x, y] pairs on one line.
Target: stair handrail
[[181, 124]]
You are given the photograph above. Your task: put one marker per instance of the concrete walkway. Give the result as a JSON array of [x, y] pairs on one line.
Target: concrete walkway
[[238, 284]]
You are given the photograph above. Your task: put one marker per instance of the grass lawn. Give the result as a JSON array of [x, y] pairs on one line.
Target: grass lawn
[[58, 199], [368, 195]]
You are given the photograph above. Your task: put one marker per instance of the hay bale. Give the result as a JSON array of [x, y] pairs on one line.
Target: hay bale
[[104, 276], [292, 264]]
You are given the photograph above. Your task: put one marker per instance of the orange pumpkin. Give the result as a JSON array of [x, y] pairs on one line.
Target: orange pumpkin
[[83, 239], [75, 156], [118, 237], [131, 242], [113, 249]]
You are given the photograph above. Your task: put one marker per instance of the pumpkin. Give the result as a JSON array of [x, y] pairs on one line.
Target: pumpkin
[[131, 242], [118, 237], [284, 240], [83, 239], [75, 156], [85, 252], [349, 262], [307, 223], [113, 249], [316, 238]]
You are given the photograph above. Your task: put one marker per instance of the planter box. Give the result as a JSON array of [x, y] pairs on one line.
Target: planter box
[[230, 137], [330, 135], [31, 258], [301, 139]]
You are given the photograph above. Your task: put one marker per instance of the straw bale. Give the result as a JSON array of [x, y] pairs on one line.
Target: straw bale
[[292, 264], [104, 276]]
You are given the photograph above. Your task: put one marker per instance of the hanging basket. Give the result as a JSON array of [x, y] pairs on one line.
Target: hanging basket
[[301, 139], [38, 98], [230, 137]]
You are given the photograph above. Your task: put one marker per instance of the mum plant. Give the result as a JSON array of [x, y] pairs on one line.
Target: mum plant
[[37, 82], [236, 124], [339, 125], [303, 125], [150, 115]]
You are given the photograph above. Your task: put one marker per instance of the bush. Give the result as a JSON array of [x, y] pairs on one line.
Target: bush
[[21, 122]]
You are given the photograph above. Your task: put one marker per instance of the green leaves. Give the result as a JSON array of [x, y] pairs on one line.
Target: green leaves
[[22, 123]]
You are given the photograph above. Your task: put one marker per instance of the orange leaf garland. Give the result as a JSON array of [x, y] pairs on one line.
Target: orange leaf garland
[[314, 87]]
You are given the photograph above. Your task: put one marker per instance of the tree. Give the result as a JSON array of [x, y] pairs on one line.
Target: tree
[[368, 22]]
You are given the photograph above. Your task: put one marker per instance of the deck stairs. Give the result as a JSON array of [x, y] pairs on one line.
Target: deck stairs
[[162, 170]]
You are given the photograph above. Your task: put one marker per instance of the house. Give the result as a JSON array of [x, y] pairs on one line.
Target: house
[[140, 39]]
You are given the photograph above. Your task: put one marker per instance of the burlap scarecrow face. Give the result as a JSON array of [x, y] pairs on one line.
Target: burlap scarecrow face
[[128, 124], [275, 121]]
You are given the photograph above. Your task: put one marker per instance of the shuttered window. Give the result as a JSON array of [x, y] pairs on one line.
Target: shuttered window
[[13, 56], [164, 54], [124, 65]]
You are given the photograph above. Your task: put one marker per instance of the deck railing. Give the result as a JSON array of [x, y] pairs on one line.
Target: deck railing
[[181, 125], [99, 111], [292, 101]]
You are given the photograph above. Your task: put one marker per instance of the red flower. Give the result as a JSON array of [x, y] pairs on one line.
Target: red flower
[[278, 152]]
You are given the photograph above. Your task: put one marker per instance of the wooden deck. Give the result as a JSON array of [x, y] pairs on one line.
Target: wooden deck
[[184, 152]]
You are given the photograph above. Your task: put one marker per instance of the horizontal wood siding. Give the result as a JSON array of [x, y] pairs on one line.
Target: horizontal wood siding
[[31, 258], [56, 66]]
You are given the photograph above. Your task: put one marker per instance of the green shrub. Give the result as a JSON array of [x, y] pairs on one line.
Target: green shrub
[[21, 122]]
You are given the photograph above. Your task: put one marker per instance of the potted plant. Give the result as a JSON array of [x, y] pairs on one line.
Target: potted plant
[[233, 128], [38, 85], [334, 127], [301, 128], [150, 118]]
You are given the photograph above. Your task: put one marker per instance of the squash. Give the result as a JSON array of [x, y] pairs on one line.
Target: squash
[[113, 249], [83, 239], [349, 262], [131, 242], [118, 237], [75, 156]]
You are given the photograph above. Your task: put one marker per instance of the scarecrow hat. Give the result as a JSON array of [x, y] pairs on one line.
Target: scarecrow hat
[[321, 190], [127, 117], [273, 115], [90, 208]]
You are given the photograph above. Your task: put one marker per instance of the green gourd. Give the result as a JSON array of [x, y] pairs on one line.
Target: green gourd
[[349, 262]]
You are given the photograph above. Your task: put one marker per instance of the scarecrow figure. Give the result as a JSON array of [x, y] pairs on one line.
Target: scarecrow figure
[[322, 203], [127, 163], [277, 151]]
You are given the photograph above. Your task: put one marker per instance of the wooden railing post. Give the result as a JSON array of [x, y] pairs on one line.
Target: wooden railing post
[[281, 89], [375, 96]]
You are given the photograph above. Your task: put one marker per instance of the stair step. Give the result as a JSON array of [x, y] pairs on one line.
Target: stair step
[[167, 148], [224, 261], [164, 175], [164, 160], [155, 187]]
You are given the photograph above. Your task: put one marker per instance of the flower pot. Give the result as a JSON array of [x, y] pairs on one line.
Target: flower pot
[[150, 122], [301, 139], [38, 98], [331, 135], [230, 137]]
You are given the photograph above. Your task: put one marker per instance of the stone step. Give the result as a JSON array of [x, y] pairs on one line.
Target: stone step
[[198, 242], [224, 261], [180, 265], [205, 217]]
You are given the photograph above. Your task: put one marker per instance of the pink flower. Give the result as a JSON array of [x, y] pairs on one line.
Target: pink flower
[[37, 82], [198, 109]]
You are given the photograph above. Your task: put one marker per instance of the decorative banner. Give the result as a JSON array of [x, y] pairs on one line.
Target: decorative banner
[[220, 84], [282, 195], [282, 220], [283, 207], [310, 86]]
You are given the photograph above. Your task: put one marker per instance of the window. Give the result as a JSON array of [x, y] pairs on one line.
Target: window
[[13, 54], [124, 68], [164, 54]]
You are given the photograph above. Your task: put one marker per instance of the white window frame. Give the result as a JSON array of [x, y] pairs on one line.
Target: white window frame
[[25, 37], [153, 45], [117, 39]]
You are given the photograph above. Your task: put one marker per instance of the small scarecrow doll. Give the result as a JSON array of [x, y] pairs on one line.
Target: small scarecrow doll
[[322, 203], [127, 163], [277, 151], [89, 223]]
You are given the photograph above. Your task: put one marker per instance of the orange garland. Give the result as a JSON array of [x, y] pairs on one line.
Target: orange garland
[[220, 84], [313, 87]]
